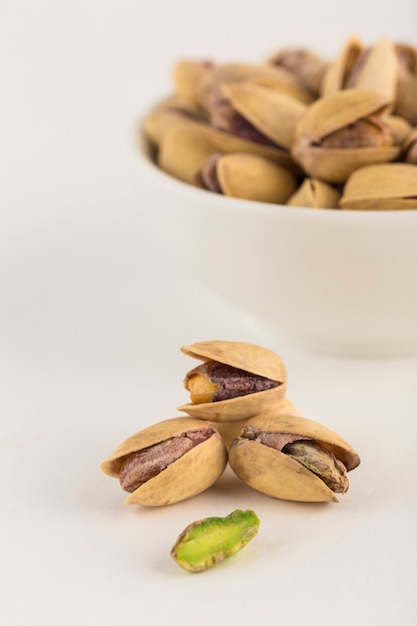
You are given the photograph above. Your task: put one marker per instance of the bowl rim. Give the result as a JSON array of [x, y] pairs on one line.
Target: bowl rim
[[143, 149]]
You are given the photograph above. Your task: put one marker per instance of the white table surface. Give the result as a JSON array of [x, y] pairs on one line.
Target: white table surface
[[93, 311]]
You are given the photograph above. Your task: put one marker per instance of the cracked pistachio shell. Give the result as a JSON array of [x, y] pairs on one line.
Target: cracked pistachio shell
[[387, 186], [168, 114], [338, 70], [210, 86], [315, 194], [252, 177], [185, 146], [272, 113], [378, 71], [405, 104], [186, 477], [230, 430], [250, 358], [276, 474], [328, 115]]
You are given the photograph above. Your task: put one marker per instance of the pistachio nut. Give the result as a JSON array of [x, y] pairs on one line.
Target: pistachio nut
[[374, 69], [387, 186], [168, 462], [307, 66], [235, 382], [273, 114], [315, 194], [338, 70], [292, 458], [406, 98], [343, 132], [247, 176], [167, 114], [187, 76], [209, 541]]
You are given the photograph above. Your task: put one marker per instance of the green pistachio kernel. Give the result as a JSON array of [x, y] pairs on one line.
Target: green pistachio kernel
[[211, 540]]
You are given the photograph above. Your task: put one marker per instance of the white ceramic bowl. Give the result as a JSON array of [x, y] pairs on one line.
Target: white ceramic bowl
[[329, 280]]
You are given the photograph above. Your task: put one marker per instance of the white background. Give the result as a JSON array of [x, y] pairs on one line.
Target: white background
[[93, 311]]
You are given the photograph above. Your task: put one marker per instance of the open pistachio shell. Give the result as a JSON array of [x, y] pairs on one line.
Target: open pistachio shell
[[271, 112], [387, 186], [338, 70], [334, 113], [185, 477], [377, 71], [275, 473], [253, 177], [249, 358], [315, 194]]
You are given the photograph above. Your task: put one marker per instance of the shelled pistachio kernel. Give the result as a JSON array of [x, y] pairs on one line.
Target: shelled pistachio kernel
[[168, 462], [236, 380], [211, 540]]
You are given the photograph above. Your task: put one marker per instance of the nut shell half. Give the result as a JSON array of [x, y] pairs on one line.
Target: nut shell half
[[186, 477]]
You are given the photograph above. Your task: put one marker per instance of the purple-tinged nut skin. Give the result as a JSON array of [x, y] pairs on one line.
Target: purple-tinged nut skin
[[145, 464], [232, 381]]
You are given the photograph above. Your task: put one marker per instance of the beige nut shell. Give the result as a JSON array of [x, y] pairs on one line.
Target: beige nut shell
[[245, 356], [230, 430], [386, 186], [190, 475], [278, 475]]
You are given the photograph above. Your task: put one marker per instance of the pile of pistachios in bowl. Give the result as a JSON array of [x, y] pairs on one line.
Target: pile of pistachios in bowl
[[296, 129]]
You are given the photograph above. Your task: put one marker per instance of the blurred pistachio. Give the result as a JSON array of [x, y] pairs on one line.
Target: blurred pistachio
[[314, 193], [307, 66], [386, 186], [247, 176], [343, 132]]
